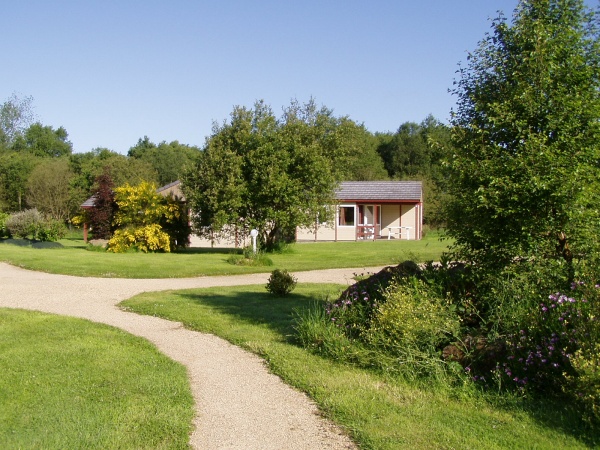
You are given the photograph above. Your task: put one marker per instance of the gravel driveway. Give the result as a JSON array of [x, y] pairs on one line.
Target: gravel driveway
[[239, 404]]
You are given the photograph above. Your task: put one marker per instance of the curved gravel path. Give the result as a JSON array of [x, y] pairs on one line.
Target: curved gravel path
[[239, 403]]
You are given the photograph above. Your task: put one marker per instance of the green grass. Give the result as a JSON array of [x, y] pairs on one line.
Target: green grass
[[72, 258], [380, 412], [70, 383]]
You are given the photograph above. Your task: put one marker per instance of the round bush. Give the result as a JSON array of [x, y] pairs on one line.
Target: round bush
[[281, 283]]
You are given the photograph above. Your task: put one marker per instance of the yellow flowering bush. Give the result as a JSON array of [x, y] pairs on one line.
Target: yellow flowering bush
[[139, 205], [147, 220], [149, 238]]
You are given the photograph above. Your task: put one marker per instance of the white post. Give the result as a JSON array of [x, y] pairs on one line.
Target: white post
[[254, 233]]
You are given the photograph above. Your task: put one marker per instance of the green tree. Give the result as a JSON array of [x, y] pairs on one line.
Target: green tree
[[415, 152], [123, 170], [48, 189], [16, 115], [525, 170], [415, 149], [258, 171], [169, 160], [360, 160], [15, 169], [43, 141]]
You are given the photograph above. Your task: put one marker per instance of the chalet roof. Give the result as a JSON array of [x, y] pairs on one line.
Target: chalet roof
[[387, 191], [168, 186], [89, 203]]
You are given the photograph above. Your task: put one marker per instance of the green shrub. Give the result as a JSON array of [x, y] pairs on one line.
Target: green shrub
[[51, 230], [3, 230], [413, 316], [24, 224], [281, 282], [356, 305]]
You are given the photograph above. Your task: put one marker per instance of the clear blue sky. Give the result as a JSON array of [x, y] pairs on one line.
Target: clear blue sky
[[113, 71]]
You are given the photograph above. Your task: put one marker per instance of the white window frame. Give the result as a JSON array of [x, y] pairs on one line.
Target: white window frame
[[353, 206]]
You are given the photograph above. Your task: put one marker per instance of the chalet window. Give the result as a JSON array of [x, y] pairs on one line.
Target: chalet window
[[346, 216]]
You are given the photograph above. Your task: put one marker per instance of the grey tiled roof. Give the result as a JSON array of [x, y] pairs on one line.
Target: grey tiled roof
[[89, 203], [167, 186], [380, 190]]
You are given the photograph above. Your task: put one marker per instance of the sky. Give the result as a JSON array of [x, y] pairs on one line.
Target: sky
[[113, 71]]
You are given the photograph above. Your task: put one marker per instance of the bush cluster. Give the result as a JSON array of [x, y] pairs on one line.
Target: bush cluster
[[395, 320], [356, 305], [557, 351], [504, 334], [32, 224]]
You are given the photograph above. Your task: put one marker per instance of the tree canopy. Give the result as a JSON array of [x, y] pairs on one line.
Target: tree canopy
[[169, 160], [525, 168], [16, 114], [48, 189], [269, 173], [43, 141]]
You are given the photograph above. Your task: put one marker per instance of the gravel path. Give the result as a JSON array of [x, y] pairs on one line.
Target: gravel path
[[239, 404]]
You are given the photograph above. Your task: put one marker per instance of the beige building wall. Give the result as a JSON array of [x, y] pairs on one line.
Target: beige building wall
[[346, 233], [325, 232], [389, 217], [408, 218]]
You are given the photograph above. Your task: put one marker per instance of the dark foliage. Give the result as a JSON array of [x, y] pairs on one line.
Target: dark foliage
[[101, 215]]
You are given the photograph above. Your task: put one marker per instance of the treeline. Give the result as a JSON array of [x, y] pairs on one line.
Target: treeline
[[40, 169]]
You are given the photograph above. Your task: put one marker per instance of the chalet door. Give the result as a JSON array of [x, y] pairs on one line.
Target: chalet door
[[369, 222]]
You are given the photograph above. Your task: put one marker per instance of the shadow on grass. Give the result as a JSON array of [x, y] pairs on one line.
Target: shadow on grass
[[210, 250], [562, 414], [31, 243], [257, 309]]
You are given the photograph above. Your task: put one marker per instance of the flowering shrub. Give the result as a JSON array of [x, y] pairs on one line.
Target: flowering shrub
[[138, 205], [557, 351], [149, 238], [144, 217]]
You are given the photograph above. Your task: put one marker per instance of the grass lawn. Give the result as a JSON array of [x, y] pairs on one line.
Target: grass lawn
[[379, 412], [72, 258], [71, 383]]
